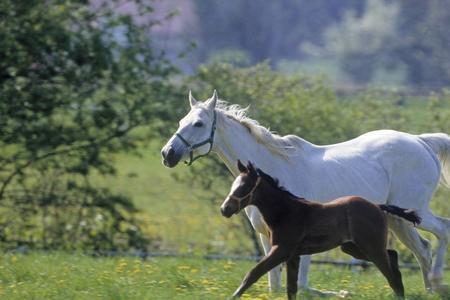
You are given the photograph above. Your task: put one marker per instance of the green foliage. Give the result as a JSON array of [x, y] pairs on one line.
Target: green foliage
[[74, 82]]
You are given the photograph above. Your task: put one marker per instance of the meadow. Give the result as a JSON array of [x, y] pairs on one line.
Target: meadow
[[182, 220], [74, 276]]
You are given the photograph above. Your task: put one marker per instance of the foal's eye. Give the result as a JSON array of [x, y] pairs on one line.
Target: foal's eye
[[198, 124]]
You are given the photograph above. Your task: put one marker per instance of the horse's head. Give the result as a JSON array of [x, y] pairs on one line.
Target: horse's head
[[195, 135], [242, 189]]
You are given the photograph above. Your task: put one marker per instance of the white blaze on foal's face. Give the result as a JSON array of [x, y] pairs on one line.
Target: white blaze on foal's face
[[231, 205]]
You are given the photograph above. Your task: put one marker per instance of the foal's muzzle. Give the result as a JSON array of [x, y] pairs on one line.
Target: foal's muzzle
[[229, 208]]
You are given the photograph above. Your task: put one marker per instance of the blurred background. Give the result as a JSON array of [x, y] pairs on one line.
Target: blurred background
[[91, 90]]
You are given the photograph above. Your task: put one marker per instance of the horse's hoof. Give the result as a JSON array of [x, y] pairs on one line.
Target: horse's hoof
[[343, 293], [442, 289], [316, 292], [438, 286]]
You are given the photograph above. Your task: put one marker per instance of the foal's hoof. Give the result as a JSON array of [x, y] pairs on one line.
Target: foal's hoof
[[316, 292]]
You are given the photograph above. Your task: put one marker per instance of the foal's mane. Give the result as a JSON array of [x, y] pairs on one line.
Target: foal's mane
[[275, 183], [284, 146]]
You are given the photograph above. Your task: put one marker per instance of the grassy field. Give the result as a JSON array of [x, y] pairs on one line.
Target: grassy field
[[180, 219], [64, 276], [175, 214]]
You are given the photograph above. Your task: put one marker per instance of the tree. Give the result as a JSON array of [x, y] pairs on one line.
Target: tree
[[74, 83]]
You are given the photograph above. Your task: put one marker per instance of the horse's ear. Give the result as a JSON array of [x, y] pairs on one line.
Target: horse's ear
[[241, 167], [192, 100], [211, 104], [252, 169]]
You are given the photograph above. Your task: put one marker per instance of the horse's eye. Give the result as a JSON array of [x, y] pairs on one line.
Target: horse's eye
[[198, 124]]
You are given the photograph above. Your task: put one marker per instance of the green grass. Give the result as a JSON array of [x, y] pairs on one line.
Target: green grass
[[65, 276], [179, 217]]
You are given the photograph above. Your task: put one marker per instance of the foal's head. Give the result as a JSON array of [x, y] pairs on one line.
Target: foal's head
[[242, 190]]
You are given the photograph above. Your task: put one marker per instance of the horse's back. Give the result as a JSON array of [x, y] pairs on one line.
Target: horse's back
[[384, 166]]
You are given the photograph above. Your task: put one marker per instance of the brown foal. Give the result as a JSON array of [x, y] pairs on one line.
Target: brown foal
[[299, 227]]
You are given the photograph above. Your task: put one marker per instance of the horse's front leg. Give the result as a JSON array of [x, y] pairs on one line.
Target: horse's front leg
[[275, 257], [292, 275], [305, 262]]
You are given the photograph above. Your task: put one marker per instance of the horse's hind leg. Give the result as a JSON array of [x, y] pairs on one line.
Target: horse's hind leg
[[440, 227], [421, 248], [305, 262]]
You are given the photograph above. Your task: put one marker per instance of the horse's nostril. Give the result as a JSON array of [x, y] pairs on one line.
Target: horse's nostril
[[167, 154], [170, 153]]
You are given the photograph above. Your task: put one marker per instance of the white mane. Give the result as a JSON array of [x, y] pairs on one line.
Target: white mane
[[277, 144]]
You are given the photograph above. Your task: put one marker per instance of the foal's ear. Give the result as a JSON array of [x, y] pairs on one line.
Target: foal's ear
[[252, 169], [241, 167]]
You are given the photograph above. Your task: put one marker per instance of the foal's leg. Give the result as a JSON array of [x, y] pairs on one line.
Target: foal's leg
[[275, 273], [393, 261], [353, 250], [421, 247], [440, 227], [275, 257], [382, 261], [292, 274]]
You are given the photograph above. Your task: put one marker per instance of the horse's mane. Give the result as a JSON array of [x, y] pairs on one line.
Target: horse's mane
[[275, 183], [281, 145]]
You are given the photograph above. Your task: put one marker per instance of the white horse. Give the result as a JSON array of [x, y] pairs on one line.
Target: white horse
[[382, 166]]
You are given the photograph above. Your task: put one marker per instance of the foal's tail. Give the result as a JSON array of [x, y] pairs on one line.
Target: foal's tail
[[407, 214]]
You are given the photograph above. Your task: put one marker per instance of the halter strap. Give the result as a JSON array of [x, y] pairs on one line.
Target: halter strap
[[250, 194], [191, 148]]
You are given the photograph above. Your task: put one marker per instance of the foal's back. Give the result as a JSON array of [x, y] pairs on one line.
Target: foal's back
[[346, 219], [362, 217]]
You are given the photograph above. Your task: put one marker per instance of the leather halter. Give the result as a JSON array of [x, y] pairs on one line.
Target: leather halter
[[249, 195], [191, 148]]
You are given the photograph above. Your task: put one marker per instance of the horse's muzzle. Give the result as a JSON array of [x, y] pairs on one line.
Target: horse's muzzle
[[169, 157]]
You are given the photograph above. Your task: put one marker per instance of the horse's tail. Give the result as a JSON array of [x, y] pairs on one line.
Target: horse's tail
[[407, 214], [440, 144]]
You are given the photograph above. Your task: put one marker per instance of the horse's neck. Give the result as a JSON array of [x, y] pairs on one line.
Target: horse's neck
[[234, 141]]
